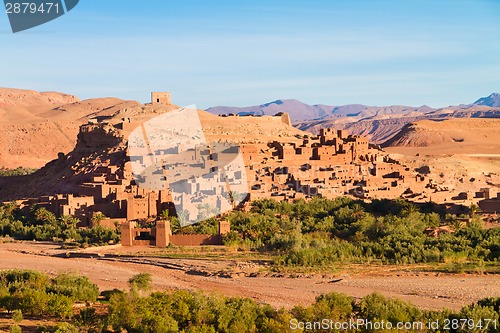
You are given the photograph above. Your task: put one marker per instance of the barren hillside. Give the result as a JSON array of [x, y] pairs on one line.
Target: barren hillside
[[377, 130], [451, 136], [35, 126], [462, 154]]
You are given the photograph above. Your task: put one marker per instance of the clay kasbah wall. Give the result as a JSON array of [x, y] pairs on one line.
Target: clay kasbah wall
[[195, 240]]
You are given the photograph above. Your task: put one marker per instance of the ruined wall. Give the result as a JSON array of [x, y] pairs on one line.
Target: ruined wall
[[110, 222], [285, 118]]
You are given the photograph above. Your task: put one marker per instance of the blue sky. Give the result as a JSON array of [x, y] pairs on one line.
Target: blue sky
[[412, 52]]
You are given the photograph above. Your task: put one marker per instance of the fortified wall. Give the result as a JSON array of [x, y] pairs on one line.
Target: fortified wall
[[161, 235]]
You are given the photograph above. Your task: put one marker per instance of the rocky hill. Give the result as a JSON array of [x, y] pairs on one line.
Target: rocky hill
[[297, 110], [451, 136], [36, 126]]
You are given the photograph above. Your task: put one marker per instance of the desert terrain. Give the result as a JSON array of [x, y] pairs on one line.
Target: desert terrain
[[462, 154], [112, 267], [36, 126]]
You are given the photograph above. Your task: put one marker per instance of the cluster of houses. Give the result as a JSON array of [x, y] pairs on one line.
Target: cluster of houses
[[329, 165], [206, 180]]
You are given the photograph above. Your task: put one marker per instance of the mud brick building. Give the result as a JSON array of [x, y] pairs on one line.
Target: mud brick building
[[161, 235]]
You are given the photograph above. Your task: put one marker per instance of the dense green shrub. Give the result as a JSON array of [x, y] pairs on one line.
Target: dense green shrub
[[38, 223], [33, 293], [65, 328], [334, 306], [322, 231], [106, 294], [88, 320], [140, 282], [478, 313], [190, 311], [196, 312], [19, 171], [60, 306], [78, 288], [17, 316], [15, 329], [378, 307]]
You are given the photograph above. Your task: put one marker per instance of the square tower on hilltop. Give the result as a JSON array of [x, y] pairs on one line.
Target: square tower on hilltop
[[162, 98]]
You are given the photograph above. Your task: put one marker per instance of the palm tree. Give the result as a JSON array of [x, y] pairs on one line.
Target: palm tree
[[409, 209], [473, 208], [357, 211], [201, 214], [204, 211], [69, 221], [97, 217], [164, 214], [183, 217], [206, 207], [235, 198], [214, 211], [457, 225]]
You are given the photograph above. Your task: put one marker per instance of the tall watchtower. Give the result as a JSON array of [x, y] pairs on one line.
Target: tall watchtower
[[160, 98], [163, 233]]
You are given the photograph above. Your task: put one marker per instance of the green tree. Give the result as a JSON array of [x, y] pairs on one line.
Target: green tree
[[235, 198], [473, 209], [140, 282], [97, 217], [65, 328], [183, 217], [15, 329], [34, 302], [60, 306], [377, 307], [164, 214], [478, 314], [69, 222], [17, 315], [88, 320], [200, 329]]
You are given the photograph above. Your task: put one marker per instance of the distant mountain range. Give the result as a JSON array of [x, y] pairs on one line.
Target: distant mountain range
[[379, 123], [299, 111], [492, 100]]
